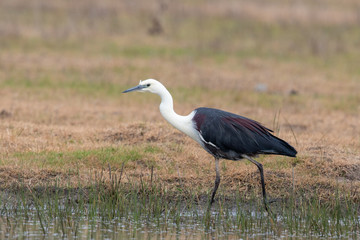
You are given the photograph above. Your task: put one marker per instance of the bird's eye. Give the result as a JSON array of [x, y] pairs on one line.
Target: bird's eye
[[148, 85]]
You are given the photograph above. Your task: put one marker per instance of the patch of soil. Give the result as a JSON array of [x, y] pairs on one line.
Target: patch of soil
[[140, 133], [4, 114], [14, 177]]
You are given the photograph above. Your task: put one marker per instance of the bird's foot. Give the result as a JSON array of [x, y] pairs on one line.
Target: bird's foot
[[267, 202], [211, 201]]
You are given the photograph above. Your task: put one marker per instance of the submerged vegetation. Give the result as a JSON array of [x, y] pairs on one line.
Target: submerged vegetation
[[140, 209]]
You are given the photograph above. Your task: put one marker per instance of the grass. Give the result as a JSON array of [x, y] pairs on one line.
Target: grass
[[63, 117], [94, 157], [132, 207], [102, 88]]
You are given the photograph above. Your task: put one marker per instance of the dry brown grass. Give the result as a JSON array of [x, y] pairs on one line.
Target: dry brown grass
[[53, 115]]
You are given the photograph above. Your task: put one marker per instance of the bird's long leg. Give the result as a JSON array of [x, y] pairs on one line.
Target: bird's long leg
[[260, 167], [217, 180]]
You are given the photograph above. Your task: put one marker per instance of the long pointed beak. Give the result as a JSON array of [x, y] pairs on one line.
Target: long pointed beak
[[137, 88]]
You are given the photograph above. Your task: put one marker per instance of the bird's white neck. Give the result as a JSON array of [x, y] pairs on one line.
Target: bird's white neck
[[167, 105], [167, 110], [182, 123]]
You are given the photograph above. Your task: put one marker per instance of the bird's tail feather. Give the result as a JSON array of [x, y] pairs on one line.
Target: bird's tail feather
[[281, 148]]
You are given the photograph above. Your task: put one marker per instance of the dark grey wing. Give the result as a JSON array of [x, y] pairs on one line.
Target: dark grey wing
[[233, 133]]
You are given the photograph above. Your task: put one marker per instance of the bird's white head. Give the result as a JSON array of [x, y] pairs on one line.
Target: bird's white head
[[148, 85]]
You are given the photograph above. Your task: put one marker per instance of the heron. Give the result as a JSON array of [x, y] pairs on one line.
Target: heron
[[223, 134]]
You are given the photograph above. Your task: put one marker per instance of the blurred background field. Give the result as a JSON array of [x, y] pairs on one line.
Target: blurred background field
[[292, 65]]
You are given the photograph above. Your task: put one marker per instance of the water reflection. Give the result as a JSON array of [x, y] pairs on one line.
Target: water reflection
[[236, 223], [30, 227]]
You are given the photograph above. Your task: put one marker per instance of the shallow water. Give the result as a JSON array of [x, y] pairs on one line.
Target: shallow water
[[93, 214], [187, 226], [30, 227]]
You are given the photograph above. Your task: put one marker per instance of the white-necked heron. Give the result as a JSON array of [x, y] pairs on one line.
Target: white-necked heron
[[222, 134]]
